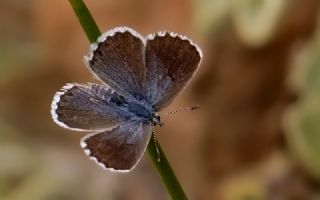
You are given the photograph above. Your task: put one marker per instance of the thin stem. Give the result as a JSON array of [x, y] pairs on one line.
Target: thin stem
[[163, 167], [86, 20], [165, 171]]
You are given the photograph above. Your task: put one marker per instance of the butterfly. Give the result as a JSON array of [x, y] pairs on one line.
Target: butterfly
[[139, 77]]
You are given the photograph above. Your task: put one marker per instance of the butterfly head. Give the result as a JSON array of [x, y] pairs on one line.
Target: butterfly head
[[155, 119]]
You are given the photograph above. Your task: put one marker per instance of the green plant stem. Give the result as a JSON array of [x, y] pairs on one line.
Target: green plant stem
[[86, 20], [165, 171], [163, 166]]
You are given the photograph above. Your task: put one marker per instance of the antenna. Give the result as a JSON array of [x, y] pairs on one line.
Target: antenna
[[161, 124], [184, 109]]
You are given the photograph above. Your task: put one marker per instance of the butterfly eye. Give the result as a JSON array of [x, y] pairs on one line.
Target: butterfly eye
[[155, 119]]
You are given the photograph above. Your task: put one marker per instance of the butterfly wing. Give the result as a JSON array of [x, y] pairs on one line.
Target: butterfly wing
[[89, 107], [118, 149], [171, 61], [118, 60], [154, 69]]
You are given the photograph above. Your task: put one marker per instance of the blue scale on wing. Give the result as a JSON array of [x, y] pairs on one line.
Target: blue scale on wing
[[91, 107]]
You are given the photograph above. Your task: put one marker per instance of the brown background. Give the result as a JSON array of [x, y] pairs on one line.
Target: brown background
[[234, 147]]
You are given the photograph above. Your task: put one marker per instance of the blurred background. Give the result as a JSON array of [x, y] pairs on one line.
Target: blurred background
[[256, 136]]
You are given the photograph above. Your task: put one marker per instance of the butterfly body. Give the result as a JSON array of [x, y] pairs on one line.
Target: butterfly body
[[141, 111], [139, 76]]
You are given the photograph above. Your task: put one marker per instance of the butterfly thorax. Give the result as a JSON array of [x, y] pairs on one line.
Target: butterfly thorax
[[140, 110], [144, 112]]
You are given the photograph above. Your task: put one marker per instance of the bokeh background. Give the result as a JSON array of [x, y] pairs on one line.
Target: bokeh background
[[256, 136]]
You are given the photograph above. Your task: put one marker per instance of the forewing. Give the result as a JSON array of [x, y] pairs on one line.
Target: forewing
[[171, 61], [88, 107], [118, 60], [118, 149]]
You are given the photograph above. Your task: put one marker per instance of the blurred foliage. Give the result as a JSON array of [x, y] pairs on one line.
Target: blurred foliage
[[253, 47], [10, 66], [19, 50], [302, 120], [254, 20], [257, 20]]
